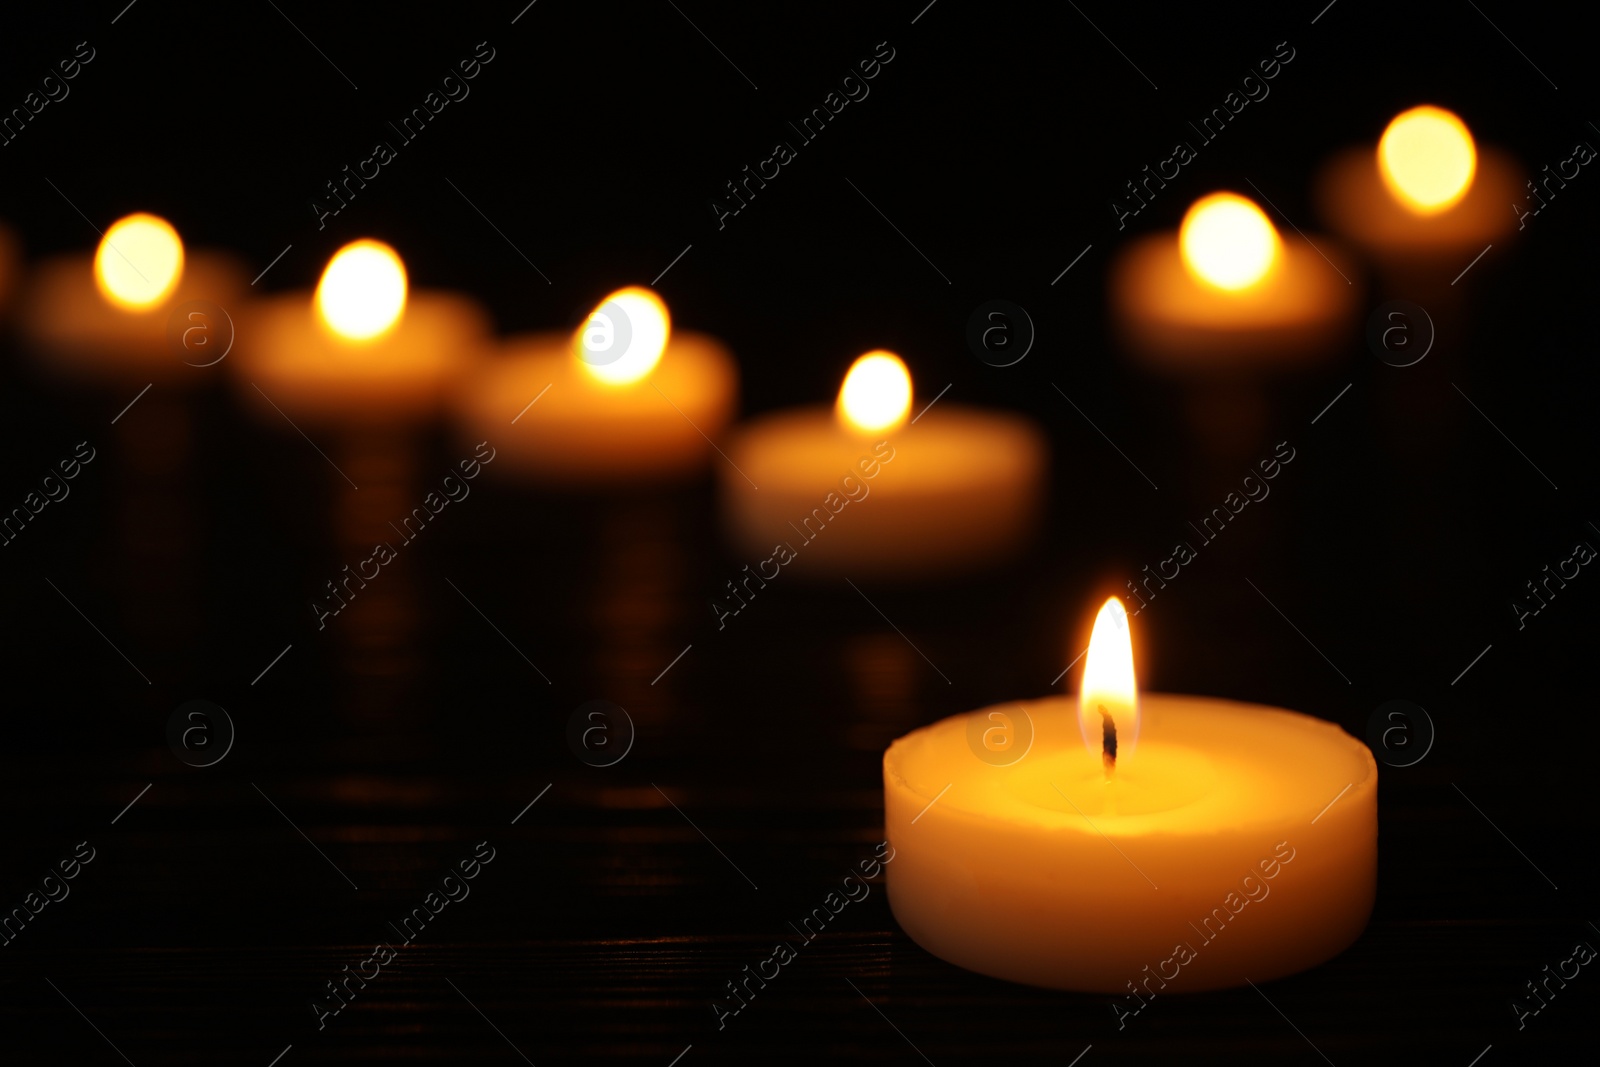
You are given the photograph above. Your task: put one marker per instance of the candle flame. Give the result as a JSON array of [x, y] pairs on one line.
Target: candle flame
[[623, 338], [139, 262], [1227, 241], [876, 395], [1427, 159], [1108, 699], [363, 290]]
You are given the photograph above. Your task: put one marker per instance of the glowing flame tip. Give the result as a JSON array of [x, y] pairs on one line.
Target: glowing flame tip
[[363, 290], [139, 262], [1427, 159], [1228, 242], [876, 395], [1108, 699], [624, 338]]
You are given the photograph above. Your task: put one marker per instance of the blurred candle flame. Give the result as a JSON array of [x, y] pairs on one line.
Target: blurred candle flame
[[876, 395], [139, 262], [363, 290], [1228, 242], [1427, 159], [623, 338]]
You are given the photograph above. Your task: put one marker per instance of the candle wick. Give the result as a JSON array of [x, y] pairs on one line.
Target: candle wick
[[1108, 741]]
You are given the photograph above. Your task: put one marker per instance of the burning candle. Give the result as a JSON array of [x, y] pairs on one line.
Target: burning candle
[[952, 488], [1105, 844], [624, 398], [364, 362], [1427, 197], [110, 317], [143, 315], [364, 349], [1228, 292]]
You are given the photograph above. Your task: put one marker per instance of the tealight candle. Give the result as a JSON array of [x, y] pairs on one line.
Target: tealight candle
[[365, 361], [1106, 845], [624, 398], [107, 318], [364, 350], [142, 314], [1228, 292], [1426, 198], [955, 487]]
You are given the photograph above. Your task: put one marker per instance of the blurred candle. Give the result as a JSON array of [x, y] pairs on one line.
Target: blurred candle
[[364, 349], [1109, 842], [363, 365], [109, 318], [1229, 293], [138, 323], [625, 398], [955, 488], [1426, 200]]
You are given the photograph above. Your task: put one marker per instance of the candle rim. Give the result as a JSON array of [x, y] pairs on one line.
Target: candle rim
[[1363, 777]]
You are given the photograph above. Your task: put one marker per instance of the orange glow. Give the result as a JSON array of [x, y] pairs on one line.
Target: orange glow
[[876, 395], [1427, 159], [1109, 685], [622, 340], [363, 290], [139, 262], [1227, 242]]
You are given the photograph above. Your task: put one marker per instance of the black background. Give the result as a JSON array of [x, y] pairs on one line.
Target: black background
[[594, 141]]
